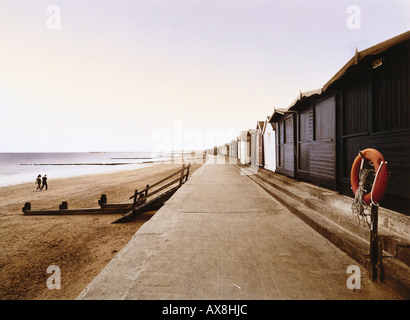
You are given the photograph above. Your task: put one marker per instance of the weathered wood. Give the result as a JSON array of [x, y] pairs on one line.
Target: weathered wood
[[138, 205], [116, 206], [165, 186], [27, 207], [104, 209], [159, 182], [285, 144], [63, 205], [182, 174], [135, 198], [153, 204], [103, 200], [376, 268], [67, 212], [187, 172]]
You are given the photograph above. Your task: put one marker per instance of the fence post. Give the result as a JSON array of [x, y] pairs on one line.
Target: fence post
[[375, 247], [27, 206], [379, 264], [187, 172], [103, 200], [182, 174], [134, 204]]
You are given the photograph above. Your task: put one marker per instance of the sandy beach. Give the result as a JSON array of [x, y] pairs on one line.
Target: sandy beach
[[79, 245]]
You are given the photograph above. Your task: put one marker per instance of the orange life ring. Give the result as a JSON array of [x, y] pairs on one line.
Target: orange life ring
[[380, 180]]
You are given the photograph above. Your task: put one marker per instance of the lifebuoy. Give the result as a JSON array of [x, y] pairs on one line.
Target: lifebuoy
[[380, 180]]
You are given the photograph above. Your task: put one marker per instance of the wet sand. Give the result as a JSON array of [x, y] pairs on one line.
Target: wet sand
[[81, 246]]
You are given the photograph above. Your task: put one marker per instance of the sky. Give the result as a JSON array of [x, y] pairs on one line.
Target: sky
[[160, 75]]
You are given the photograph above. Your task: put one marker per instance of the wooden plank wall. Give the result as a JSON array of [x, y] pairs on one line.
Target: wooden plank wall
[[317, 142], [261, 150], [285, 145], [323, 148], [375, 113], [289, 146]]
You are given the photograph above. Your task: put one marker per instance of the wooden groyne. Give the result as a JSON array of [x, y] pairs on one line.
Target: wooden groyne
[[152, 197], [140, 198]]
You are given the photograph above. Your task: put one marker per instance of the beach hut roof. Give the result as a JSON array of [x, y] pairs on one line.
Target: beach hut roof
[[243, 135], [277, 114], [303, 97], [266, 123], [259, 125], [360, 55]]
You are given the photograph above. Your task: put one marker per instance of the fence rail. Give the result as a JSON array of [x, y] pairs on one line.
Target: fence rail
[[140, 197]]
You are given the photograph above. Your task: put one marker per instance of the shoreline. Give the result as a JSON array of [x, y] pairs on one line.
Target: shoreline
[[103, 168], [80, 245], [22, 178]]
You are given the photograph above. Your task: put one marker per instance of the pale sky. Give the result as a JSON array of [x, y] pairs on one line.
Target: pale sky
[[150, 75]]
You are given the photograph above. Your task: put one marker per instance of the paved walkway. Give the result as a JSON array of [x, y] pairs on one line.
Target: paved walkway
[[221, 236]]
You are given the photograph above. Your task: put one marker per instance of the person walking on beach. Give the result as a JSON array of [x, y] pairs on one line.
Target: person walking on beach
[[38, 181], [44, 182]]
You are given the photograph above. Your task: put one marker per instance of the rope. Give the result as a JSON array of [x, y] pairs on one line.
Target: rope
[[374, 183], [358, 205]]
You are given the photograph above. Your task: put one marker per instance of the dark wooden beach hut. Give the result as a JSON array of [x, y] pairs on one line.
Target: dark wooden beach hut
[[285, 121], [372, 92], [316, 137]]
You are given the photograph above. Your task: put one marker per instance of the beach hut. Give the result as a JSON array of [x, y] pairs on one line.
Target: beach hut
[[259, 126], [284, 121], [268, 134], [233, 149], [316, 137], [239, 147], [210, 151], [255, 134], [373, 111], [245, 147], [224, 149]]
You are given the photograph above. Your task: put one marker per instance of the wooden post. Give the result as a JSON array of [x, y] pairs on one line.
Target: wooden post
[[134, 204], [379, 264], [375, 247], [182, 174], [146, 190], [187, 172], [142, 199], [103, 200], [63, 205], [27, 207]]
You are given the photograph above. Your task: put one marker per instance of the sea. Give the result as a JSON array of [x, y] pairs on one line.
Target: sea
[[18, 168]]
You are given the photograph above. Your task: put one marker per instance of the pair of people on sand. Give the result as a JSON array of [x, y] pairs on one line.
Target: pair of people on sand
[[40, 180]]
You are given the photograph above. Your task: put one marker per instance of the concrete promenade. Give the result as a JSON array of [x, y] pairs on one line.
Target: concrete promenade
[[222, 236]]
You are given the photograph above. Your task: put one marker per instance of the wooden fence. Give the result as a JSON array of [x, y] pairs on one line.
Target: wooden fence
[[142, 201]]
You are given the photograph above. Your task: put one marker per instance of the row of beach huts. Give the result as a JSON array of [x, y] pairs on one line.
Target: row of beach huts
[[366, 104]]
